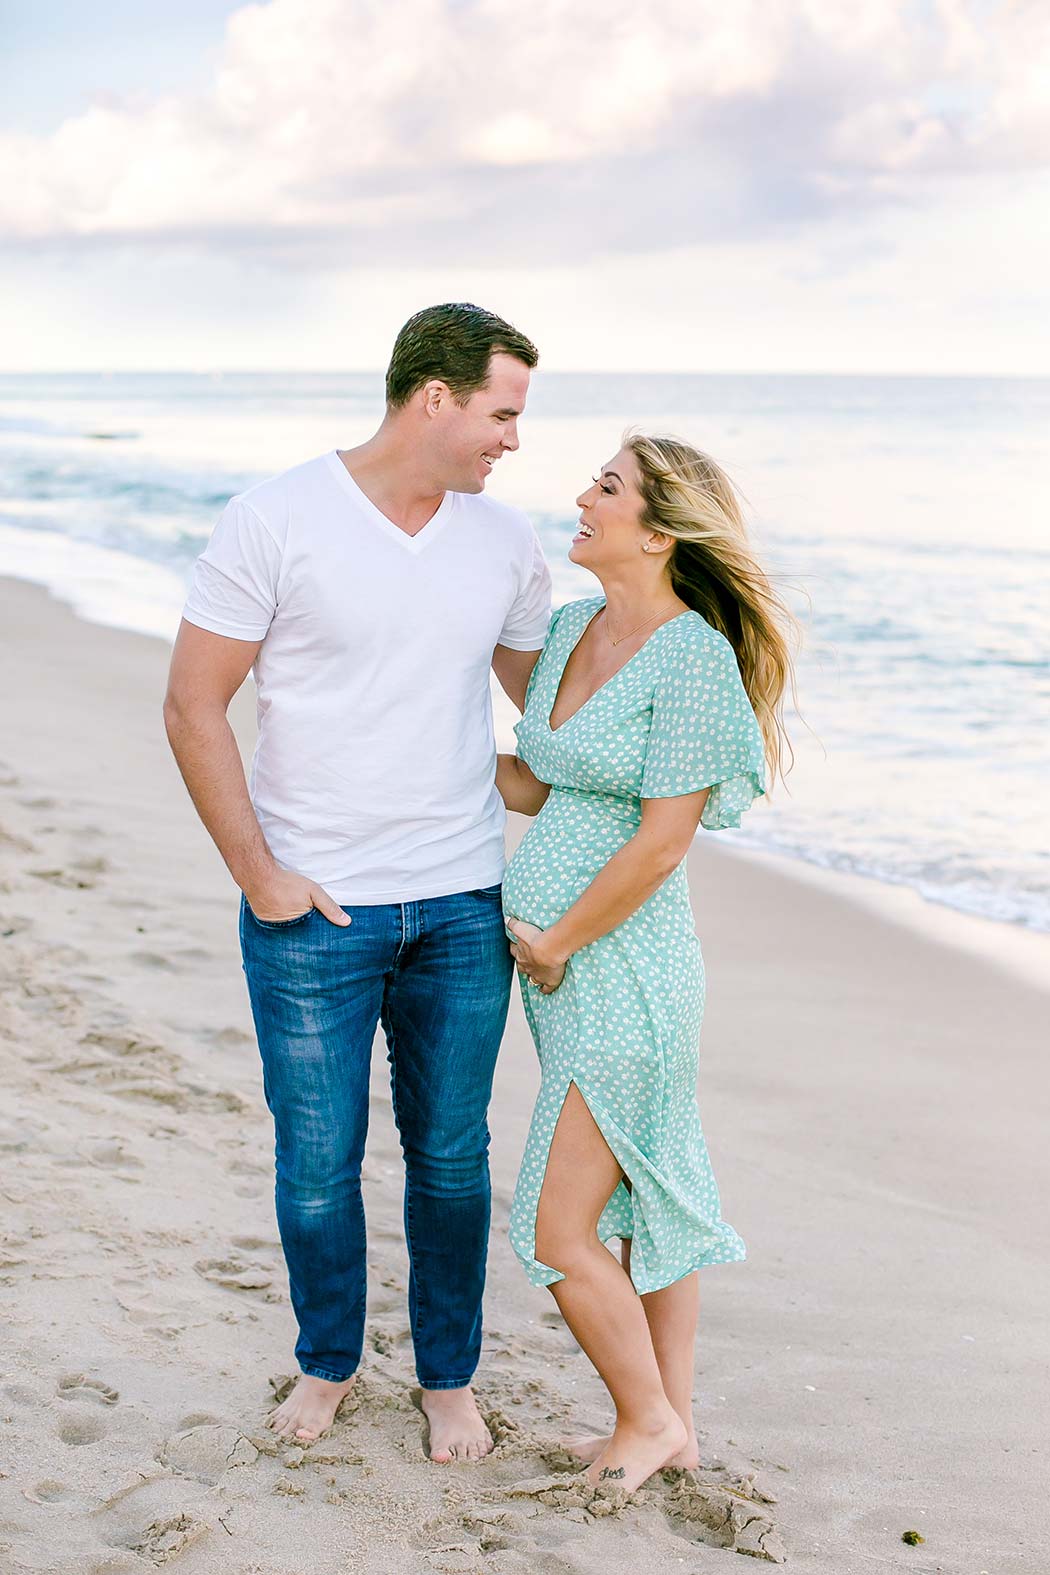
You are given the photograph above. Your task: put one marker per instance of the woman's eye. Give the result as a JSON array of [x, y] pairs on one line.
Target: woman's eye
[[598, 480]]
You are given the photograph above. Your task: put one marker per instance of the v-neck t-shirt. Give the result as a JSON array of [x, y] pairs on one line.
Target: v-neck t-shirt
[[374, 770]]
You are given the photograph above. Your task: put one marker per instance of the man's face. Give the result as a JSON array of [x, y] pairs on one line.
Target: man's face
[[474, 436]]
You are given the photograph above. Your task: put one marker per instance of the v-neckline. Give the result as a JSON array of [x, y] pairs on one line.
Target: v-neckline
[[414, 544], [554, 731]]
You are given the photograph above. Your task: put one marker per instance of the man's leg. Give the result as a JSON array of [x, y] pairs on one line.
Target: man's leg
[[316, 992], [444, 1012]]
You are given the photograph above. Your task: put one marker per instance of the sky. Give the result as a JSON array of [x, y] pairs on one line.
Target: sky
[[820, 185]]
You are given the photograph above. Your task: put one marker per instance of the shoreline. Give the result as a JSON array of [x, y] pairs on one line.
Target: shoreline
[[1017, 947]]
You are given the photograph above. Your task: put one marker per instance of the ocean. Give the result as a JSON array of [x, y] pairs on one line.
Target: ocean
[[905, 518]]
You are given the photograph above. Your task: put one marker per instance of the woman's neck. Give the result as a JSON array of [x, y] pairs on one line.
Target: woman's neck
[[631, 601]]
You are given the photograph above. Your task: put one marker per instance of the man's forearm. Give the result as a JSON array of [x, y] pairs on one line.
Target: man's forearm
[[206, 751]]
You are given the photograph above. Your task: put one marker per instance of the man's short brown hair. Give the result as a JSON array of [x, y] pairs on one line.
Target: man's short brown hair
[[455, 343]]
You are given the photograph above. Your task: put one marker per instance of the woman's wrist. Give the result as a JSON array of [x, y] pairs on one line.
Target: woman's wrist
[[555, 949]]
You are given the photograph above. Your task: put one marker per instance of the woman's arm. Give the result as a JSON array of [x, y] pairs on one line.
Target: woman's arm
[[517, 786], [639, 868]]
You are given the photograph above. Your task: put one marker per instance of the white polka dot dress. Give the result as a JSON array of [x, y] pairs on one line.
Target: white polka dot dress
[[624, 1026]]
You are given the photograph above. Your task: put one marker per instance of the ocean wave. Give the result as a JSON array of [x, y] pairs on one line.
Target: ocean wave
[[981, 893]]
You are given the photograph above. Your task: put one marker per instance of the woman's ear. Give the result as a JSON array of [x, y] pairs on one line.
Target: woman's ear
[[656, 541]]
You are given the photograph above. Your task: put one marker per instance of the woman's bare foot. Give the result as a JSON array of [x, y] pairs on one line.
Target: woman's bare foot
[[634, 1454], [457, 1428], [310, 1409], [589, 1448]]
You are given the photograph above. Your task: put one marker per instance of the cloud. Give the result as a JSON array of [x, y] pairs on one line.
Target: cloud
[[355, 133]]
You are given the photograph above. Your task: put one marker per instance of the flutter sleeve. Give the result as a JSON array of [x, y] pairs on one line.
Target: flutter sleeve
[[704, 733]]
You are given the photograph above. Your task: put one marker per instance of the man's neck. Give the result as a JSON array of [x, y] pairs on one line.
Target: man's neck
[[391, 478]]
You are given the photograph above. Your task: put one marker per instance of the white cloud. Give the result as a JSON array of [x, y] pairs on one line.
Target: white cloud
[[359, 131]]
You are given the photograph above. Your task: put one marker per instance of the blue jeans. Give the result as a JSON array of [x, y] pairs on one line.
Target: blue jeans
[[436, 974]]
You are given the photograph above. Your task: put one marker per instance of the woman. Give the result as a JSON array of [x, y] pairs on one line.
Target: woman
[[654, 708]]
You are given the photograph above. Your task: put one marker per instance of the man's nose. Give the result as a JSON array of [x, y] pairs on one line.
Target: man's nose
[[510, 437]]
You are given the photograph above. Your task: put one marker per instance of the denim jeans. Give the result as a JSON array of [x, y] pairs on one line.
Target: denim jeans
[[436, 974]]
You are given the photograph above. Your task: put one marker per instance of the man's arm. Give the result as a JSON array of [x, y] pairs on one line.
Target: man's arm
[[206, 672], [514, 669]]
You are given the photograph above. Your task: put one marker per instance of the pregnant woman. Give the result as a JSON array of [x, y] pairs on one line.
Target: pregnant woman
[[653, 709]]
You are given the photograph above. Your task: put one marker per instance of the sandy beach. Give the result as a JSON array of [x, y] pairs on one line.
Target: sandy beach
[[875, 1102]]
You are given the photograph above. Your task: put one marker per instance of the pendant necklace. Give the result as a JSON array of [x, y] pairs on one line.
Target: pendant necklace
[[627, 636]]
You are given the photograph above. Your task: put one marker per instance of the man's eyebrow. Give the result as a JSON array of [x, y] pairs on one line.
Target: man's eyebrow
[[507, 412]]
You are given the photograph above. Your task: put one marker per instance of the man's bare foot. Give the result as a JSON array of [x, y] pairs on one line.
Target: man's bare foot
[[310, 1409], [634, 1454], [457, 1428], [589, 1448]]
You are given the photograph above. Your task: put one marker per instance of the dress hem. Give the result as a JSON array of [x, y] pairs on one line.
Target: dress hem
[[541, 1274]]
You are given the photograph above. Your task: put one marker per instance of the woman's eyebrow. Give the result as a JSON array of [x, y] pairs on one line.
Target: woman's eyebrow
[[610, 475]]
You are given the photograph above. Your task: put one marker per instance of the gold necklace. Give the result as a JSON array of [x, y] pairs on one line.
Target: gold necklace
[[627, 636]]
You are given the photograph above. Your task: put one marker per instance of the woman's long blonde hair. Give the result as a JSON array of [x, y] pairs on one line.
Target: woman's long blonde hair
[[714, 571]]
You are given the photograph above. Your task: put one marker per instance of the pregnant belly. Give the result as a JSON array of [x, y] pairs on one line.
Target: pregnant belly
[[571, 839]]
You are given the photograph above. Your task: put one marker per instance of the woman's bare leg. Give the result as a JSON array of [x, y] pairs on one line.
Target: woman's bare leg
[[599, 1303], [672, 1318]]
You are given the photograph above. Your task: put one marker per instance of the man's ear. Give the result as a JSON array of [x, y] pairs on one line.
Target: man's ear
[[435, 394]]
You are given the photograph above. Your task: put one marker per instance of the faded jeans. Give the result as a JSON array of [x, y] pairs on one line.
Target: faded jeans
[[436, 973]]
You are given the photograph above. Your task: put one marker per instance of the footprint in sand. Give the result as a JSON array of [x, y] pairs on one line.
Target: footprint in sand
[[206, 1452], [729, 1519], [78, 1386], [21, 1394], [234, 1273], [152, 1317], [163, 1540], [83, 1429], [49, 1492], [129, 1066], [147, 1521]]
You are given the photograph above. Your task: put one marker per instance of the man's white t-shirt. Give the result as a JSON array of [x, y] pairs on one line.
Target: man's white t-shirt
[[374, 772]]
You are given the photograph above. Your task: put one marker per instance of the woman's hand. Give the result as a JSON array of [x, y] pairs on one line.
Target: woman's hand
[[537, 956]]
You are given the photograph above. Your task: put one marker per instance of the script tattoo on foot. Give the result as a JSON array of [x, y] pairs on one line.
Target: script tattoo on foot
[[608, 1474]]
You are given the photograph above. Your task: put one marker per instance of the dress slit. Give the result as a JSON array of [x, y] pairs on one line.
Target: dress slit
[[623, 1217]]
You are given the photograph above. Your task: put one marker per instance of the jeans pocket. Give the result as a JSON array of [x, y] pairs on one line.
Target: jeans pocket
[[490, 893], [279, 924]]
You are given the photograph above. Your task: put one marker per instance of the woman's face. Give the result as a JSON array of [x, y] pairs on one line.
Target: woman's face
[[610, 533]]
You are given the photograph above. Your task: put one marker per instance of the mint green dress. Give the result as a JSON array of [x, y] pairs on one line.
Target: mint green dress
[[624, 1025]]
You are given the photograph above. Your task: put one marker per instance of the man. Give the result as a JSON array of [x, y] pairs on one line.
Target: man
[[371, 590]]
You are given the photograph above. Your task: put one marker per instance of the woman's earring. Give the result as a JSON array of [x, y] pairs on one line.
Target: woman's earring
[[645, 546]]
